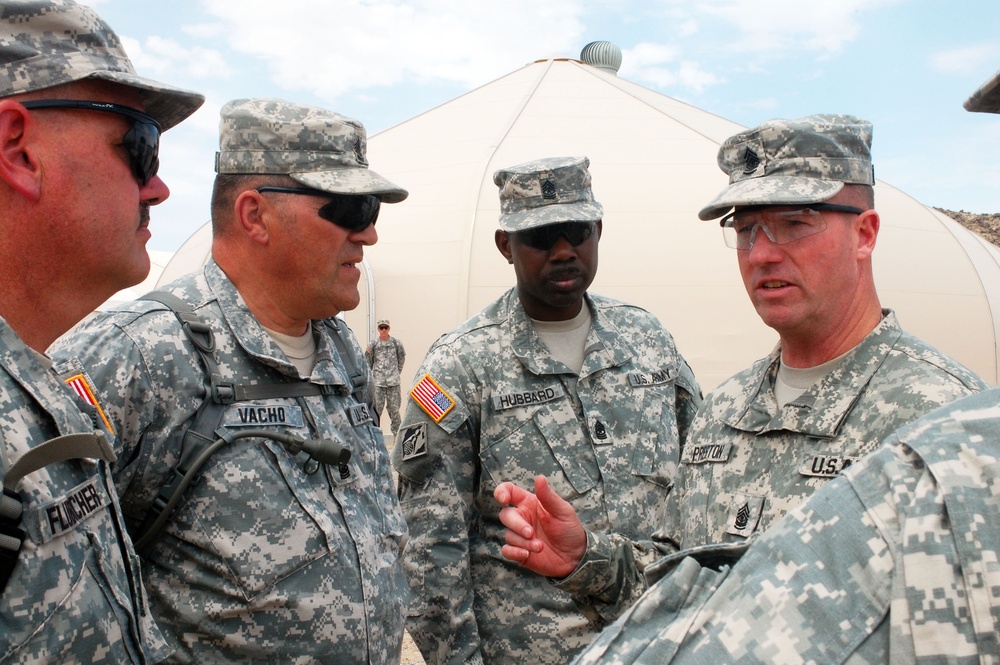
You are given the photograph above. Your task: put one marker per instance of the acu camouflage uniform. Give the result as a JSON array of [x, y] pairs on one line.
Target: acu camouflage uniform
[[271, 557], [608, 440], [747, 462], [75, 595], [386, 360], [894, 562]]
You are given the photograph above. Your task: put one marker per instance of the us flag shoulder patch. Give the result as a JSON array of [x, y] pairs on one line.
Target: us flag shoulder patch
[[431, 398], [81, 386]]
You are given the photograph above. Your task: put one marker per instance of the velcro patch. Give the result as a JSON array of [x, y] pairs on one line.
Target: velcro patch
[[66, 512], [80, 384], [359, 415], [413, 439], [826, 466], [644, 379], [255, 414], [525, 398], [430, 397], [706, 452], [744, 514]]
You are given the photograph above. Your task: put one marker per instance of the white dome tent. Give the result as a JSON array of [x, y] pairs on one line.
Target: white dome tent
[[653, 161]]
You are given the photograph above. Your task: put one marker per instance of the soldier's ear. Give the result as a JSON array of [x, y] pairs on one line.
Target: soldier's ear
[[502, 239], [20, 150]]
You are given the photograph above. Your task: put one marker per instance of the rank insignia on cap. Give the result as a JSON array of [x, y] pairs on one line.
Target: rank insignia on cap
[[750, 161], [548, 189], [431, 398], [81, 386]]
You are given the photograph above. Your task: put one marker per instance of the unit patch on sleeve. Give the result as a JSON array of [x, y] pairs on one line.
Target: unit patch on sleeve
[[430, 397], [826, 466], [81, 386], [414, 441]]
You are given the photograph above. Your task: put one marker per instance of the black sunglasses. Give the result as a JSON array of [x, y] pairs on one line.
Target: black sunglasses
[[142, 141], [353, 212], [544, 237]]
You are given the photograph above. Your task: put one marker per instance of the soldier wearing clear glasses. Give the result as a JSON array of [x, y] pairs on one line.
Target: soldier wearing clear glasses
[[843, 376], [548, 379]]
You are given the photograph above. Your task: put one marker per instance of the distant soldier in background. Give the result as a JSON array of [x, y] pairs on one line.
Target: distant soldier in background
[[386, 356]]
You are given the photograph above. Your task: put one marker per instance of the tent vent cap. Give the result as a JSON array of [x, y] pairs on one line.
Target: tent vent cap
[[603, 55]]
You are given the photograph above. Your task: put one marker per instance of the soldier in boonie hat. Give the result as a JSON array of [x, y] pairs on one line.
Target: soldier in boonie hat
[[317, 148], [45, 43], [787, 162], [546, 191]]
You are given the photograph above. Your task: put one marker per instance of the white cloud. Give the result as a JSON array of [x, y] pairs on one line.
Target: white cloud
[[967, 60], [159, 57]]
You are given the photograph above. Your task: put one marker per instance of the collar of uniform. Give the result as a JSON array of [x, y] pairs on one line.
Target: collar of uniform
[[819, 411], [605, 347], [252, 337]]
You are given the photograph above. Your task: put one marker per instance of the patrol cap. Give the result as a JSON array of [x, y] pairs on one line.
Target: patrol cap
[[382, 322], [317, 148], [788, 162], [987, 98], [45, 43], [546, 191]]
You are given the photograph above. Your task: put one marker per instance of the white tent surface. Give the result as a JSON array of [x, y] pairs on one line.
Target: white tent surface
[[653, 161]]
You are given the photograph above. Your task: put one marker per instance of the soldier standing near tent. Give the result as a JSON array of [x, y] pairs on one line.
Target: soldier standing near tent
[[386, 356], [277, 553], [843, 376], [547, 379], [80, 133]]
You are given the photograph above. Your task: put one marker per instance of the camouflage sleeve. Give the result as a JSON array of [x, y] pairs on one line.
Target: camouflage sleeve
[[370, 354], [689, 398], [436, 457], [400, 354]]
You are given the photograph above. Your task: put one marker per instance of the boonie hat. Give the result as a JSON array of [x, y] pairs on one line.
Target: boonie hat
[[987, 98], [45, 43], [546, 191], [317, 148], [788, 162]]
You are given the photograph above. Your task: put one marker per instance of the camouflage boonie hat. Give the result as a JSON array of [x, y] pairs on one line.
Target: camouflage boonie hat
[[546, 191], [788, 162], [317, 148], [987, 98], [45, 43]]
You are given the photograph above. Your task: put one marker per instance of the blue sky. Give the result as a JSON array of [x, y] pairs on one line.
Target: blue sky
[[905, 65]]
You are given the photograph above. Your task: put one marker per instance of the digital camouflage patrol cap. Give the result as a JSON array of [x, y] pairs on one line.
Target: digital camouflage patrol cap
[[317, 148], [546, 191], [987, 98], [45, 43], [788, 162]]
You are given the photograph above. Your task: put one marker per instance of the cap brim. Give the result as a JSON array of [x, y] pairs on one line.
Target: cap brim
[[353, 181], [551, 214], [987, 98], [771, 191], [169, 105]]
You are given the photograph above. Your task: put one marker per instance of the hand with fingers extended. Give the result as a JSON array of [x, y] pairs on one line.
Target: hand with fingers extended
[[544, 533]]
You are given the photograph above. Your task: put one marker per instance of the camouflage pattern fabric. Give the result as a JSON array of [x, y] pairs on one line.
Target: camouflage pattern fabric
[[546, 191], [788, 162], [75, 594], [608, 440], [748, 462], [894, 562], [272, 557]]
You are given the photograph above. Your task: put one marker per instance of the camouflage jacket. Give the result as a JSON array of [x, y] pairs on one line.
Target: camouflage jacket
[[386, 360], [608, 440], [75, 594], [895, 562], [748, 462], [271, 557]]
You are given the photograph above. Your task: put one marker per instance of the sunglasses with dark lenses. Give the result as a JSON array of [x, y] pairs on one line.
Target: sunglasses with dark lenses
[[141, 142], [353, 212], [544, 237]]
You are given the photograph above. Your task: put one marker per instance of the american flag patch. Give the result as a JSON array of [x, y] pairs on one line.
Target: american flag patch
[[431, 398], [81, 386]]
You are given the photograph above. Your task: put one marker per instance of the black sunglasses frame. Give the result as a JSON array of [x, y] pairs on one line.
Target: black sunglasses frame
[[544, 237], [351, 212], [141, 141]]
